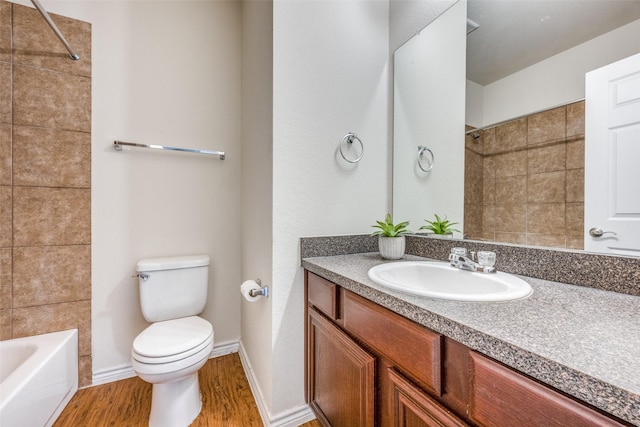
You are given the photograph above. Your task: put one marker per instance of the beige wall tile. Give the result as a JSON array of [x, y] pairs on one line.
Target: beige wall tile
[[547, 159], [5, 31], [35, 44], [575, 185], [575, 242], [51, 216], [45, 89], [85, 375], [489, 192], [575, 218], [51, 274], [488, 219], [5, 324], [5, 278], [51, 99], [546, 218], [511, 164], [55, 317], [511, 190], [575, 153], [51, 158], [6, 203], [5, 92], [513, 238], [547, 126], [511, 135], [546, 187], [511, 218], [475, 145], [472, 221], [489, 142], [472, 178], [551, 240], [488, 236], [489, 167], [5, 154], [575, 119]]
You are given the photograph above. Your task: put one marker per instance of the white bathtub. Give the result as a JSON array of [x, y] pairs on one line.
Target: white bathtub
[[38, 377]]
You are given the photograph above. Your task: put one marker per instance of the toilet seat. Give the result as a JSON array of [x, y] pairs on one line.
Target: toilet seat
[[172, 340]]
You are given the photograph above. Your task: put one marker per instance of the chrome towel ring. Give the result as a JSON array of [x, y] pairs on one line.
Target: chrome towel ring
[[421, 150], [349, 138]]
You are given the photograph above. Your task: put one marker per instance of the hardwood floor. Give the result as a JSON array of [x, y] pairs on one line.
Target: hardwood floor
[[227, 400]]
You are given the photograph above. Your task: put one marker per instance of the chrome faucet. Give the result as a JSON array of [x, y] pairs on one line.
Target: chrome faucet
[[465, 263]]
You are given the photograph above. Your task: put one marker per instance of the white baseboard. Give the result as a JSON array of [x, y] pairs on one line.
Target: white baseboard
[[291, 418], [110, 375], [122, 372]]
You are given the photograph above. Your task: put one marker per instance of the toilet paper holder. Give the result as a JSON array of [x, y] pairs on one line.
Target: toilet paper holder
[[263, 291]]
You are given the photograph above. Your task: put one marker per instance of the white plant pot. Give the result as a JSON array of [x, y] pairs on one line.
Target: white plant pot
[[391, 247]]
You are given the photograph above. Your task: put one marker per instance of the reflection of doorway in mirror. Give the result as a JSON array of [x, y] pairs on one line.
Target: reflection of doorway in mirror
[[524, 180]]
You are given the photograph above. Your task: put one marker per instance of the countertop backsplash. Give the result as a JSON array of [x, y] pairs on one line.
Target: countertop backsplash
[[612, 273]]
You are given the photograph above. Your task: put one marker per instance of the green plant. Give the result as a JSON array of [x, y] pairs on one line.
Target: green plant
[[440, 226], [389, 229]]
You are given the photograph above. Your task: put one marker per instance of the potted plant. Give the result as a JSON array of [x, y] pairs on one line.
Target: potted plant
[[440, 226], [391, 241]]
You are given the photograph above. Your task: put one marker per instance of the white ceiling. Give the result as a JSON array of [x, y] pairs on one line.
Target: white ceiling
[[515, 34]]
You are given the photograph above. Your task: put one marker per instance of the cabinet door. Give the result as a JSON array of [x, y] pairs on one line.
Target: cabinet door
[[412, 407], [340, 376]]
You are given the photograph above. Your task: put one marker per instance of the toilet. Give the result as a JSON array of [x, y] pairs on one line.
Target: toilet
[[169, 353]]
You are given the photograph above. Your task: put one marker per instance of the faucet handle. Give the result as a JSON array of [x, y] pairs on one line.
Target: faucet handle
[[487, 258], [473, 255]]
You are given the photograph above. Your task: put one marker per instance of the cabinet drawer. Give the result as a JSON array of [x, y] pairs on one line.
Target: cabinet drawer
[[501, 396], [323, 295], [414, 349]]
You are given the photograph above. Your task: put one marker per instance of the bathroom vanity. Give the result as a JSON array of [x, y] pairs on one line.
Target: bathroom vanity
[[374, 356]]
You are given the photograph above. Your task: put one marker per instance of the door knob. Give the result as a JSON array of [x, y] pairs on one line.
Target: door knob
[[599, 232]]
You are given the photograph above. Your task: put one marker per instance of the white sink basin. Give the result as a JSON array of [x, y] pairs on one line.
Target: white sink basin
[[441, 280]]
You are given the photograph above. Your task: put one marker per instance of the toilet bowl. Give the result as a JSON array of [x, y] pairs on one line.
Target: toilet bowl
[[169, 353]]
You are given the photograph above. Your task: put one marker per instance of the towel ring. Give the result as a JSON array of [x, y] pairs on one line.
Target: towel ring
[[349, 138], [421, 150]]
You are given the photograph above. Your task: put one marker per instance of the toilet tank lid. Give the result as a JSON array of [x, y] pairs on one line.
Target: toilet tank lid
[[172, 263]]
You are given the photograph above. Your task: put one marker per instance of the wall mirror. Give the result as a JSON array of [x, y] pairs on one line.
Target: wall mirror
[[482, 84]]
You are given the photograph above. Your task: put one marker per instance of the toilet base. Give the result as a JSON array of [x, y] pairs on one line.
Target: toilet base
[[175, 404]]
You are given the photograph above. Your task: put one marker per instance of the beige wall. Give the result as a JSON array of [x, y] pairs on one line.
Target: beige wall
[[524, 180], [45, 180], [162, 73]]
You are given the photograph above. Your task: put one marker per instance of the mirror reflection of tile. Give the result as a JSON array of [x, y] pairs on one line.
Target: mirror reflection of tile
[[525, 180]]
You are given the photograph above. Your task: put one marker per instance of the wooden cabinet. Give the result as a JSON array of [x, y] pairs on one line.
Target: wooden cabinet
[[368, 366], [411, 407], [414, 349], [502, 396], [340, 382]]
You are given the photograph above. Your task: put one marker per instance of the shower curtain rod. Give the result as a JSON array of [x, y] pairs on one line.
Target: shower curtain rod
[[55, 29]]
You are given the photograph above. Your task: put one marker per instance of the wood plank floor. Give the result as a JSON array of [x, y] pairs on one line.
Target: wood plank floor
[[227, 400]]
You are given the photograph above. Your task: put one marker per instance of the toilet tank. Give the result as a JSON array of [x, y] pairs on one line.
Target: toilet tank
[[173, 287]]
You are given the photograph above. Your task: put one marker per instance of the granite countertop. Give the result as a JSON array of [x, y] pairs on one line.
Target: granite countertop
[[583, 341]]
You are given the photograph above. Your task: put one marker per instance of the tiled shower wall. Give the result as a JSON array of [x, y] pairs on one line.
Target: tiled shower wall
[[45, 179], [524, 180]]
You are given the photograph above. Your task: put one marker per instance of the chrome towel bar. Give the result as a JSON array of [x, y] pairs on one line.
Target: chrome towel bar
[[118, 147]]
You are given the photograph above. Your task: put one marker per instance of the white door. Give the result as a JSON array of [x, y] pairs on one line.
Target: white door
[[612, 158]]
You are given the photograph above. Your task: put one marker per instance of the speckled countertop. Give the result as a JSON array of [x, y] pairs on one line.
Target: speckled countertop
[[583, 341]]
